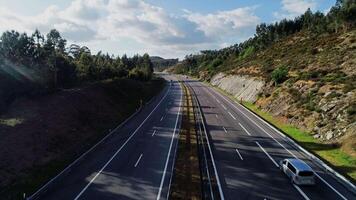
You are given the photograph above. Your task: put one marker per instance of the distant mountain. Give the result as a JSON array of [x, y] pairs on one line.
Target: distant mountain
[[160, 64]]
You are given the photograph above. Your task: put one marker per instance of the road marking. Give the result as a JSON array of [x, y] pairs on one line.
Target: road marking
[[301, 192], [331, 187], [170, 148], [225, 129], [212, 159], [218, 100], [239, 154], [122, 146], [224, 106], [154, 132], [216, 115], [138, 160], [337, 192], [245, 129], [232, 115], [254, 123], [161, 118], [267, 154]]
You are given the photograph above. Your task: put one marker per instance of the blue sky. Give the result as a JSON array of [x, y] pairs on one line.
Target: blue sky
[[159, 27]]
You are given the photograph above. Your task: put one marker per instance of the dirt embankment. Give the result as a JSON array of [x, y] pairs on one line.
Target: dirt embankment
[[40, 136]]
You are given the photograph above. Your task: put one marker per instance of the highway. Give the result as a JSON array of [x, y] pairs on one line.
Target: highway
[[247, 151], [135, 162]]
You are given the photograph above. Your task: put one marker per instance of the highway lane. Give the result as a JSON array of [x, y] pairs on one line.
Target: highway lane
[[246, 151], [134, 163]]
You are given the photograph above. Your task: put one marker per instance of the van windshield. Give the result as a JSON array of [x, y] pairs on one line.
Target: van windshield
[[305, 173]]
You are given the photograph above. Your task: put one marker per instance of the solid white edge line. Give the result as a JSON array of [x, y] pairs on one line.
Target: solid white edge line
[[337, 192], [172, 169], [274, 162], [301, 192], [170, 148], [231, 115], [122, 146], [154, 132], [239, 154], [331, 187], [213, 160], [256, 124], [138, 160], [248, 133]]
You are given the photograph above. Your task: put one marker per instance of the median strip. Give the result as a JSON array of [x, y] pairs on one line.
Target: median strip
[[186, 182]]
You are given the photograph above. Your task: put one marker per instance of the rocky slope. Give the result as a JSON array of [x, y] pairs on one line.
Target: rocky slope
[[318, 94]]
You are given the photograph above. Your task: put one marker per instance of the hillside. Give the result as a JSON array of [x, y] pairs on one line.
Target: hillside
[[160, 64], [47, 132], [304, 79]]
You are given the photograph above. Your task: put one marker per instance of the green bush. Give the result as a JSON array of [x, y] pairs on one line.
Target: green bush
[[279, 75]]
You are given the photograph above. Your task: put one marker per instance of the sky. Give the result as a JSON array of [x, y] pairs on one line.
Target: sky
[[166, 28]]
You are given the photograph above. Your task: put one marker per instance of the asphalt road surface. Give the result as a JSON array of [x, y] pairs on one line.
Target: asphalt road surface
[[137, 161], [134, 163], [246, 152]]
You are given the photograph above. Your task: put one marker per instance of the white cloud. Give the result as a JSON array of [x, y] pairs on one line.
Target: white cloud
[[293, 8], [225, 23], [151, 26]]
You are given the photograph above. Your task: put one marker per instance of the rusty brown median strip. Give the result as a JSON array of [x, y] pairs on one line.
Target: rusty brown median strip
[[186, 182]]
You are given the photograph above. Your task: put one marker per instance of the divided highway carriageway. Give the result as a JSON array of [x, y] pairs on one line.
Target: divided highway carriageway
[[136, 161]]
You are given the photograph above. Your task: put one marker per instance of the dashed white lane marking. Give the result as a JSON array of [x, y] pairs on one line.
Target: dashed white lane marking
[[225, 129], [238, 153], [154, 132], [224, 107], [275, 163], [232, 115], [122, 146], [161, 119], [245, 129], [216, 115], [138, 160]]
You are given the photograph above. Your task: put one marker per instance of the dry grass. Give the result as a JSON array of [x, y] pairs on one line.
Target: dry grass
[[186, 179]]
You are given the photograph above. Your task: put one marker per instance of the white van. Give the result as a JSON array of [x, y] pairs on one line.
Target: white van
[[298, 171]]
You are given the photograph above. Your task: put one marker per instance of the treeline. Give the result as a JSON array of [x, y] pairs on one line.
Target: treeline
[[33, 64], [160, 64], [341, 17]]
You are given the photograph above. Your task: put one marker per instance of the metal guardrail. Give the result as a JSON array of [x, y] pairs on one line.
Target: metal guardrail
[[210, 189], [55, 180]]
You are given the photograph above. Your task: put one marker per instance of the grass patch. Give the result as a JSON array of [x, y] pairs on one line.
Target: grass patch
[[11, 122], [330, 153]]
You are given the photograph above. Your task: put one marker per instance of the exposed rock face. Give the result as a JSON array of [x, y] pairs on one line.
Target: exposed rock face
[[241, 87], [324, 114]]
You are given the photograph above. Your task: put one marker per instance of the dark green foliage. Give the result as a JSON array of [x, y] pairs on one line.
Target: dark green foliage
[[37, 64], [342, 17], [279, 74], [351, 110]]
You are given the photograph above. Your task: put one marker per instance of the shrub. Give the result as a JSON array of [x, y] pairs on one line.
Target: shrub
[[279, 75]]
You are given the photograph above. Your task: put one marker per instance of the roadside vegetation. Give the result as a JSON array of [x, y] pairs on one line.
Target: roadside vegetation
[[330, 153], [186, 182], [307, 66], [57, 100], [49, 132], [32, 65]]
